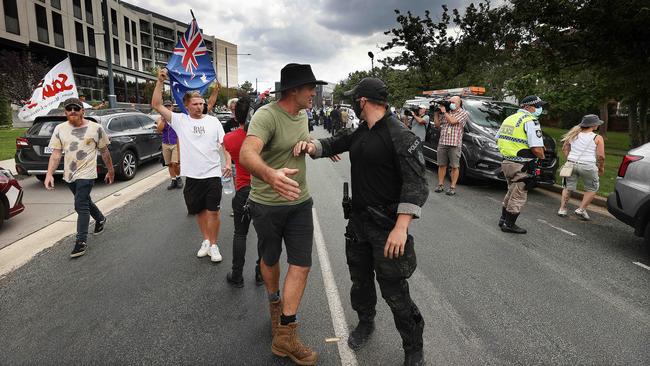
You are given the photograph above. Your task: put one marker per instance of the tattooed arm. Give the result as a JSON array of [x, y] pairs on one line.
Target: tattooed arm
[[600, 154], [108, 162]]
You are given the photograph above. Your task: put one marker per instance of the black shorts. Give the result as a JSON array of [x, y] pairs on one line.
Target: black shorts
[[294, 224], [202, 194]]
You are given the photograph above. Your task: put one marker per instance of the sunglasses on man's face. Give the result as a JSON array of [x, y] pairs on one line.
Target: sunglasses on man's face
[[74, 108]]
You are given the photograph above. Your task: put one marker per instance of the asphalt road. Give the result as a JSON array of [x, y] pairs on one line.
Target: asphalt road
[[568, 293]]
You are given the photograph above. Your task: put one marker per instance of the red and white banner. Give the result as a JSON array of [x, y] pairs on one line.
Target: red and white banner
[[57, 86]]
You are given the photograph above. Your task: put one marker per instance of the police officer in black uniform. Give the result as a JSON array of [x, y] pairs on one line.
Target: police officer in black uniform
[[388, 191]]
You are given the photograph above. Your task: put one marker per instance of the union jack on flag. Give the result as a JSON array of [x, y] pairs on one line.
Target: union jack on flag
[[190, 59]]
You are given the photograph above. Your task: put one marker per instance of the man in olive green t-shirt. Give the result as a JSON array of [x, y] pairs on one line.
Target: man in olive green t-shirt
[[280, 204]]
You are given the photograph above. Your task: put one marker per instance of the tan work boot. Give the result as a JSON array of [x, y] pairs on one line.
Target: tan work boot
[[286, 344], [276, 310]]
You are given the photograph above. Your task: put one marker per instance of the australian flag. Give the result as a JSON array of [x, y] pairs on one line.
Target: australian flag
[[190, 67]]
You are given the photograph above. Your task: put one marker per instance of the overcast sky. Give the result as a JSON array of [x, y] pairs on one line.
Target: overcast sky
[[334, 36]]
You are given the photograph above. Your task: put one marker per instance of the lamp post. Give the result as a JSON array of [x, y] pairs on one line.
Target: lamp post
[[236, 54], [372, 62], [112, 100]]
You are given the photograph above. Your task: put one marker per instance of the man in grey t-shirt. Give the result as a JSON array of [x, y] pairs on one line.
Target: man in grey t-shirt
[[420, 122]]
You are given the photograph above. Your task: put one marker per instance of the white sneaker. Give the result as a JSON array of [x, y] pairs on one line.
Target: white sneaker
[[582, 214], [205, 247], [561, 212], [215, 256]]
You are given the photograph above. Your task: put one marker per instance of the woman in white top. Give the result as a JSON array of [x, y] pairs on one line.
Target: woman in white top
[[586, 150]]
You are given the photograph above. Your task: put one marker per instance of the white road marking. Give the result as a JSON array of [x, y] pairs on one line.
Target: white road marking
[[348, 358], [642, 265], [556, 227]]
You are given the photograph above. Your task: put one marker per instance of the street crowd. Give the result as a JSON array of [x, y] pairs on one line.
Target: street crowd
[[269, 143]]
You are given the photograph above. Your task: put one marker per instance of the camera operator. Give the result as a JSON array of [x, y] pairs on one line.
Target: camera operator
[[420, 122], [389, 188], [452, 126]]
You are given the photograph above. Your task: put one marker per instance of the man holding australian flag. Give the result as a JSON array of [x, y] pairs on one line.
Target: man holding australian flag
[[190, 71]]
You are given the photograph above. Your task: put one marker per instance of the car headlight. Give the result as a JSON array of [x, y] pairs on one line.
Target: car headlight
[[485, 142]]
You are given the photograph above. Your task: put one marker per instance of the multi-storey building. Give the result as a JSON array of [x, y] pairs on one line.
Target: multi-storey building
[[140, 40]]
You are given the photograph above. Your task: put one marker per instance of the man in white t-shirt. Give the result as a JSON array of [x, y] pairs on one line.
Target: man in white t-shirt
[[200, 137]]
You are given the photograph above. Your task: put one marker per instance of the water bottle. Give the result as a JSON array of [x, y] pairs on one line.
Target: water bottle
[[228, 187]]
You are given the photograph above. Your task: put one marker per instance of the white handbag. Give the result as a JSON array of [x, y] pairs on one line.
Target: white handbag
[[567, 168]]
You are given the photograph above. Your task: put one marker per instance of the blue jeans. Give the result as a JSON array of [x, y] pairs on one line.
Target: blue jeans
[[84, 206]]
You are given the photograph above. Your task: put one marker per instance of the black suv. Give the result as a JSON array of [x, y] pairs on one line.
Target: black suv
[[133, 136], [480, 156]]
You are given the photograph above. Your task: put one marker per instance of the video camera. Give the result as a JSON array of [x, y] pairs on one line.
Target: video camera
[[437, 103], [411, 111]]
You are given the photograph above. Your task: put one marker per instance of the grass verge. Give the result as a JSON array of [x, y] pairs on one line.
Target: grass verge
[[8, 141]]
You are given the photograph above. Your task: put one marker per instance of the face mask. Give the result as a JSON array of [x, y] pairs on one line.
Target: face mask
[[452, 106], [538, 112], [356, 105]]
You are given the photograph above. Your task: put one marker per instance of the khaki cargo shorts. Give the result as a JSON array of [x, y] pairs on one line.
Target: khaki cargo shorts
[[449, 156], [170, 153]]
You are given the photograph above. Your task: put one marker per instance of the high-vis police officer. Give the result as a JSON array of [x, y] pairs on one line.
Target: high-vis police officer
[[520, 141], [388, 191]]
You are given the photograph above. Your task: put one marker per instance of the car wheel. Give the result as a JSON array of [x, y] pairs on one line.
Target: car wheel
[[128, 165], [646, 237], [40, 177]]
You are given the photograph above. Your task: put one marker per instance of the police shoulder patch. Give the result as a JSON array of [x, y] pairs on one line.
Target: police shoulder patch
[[538, 133]]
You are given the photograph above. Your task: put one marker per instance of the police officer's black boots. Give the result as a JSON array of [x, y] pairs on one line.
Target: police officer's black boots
[[502, 219], [414, 359], [510, 226], [361, 334]]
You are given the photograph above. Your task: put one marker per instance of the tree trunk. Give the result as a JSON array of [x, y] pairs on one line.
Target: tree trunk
[[604, 115], [643, 119], [633, 123]]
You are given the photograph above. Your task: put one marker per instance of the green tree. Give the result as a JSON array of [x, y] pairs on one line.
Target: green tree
[[247, 87]]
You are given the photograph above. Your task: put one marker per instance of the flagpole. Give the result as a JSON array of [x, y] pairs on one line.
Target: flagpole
[[191, 12]]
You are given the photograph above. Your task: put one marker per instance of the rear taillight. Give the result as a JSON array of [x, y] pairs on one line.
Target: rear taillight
[[21, 142], [626, 162]]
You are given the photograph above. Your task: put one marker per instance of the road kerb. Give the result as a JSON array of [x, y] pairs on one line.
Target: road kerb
[[22, 251]]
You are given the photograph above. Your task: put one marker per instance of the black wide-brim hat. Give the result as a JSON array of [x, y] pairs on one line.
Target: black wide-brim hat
[[295, 75]]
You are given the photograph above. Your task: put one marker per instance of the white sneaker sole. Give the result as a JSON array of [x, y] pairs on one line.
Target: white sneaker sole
[[217, 259], [201, 255]]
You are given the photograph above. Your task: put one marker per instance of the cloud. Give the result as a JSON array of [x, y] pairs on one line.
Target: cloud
[[334, 36]]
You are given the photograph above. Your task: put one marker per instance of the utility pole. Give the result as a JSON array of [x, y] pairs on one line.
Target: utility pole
[[227, 88]]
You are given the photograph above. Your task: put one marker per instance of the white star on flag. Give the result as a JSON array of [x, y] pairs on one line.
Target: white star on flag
[[204, 78]]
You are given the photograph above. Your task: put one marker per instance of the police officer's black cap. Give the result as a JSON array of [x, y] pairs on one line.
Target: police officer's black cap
[[371, 88], [532, 101]]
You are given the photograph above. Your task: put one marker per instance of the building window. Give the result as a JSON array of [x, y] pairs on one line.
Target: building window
[[11, 16], [116, 51], [135, 58], [57, 25], [89, 11], [114, 22], [56, 4], [134, 33], [79, 34], [41, 24], [127, 32], [128, 57], [91, 42], [76, 8]]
